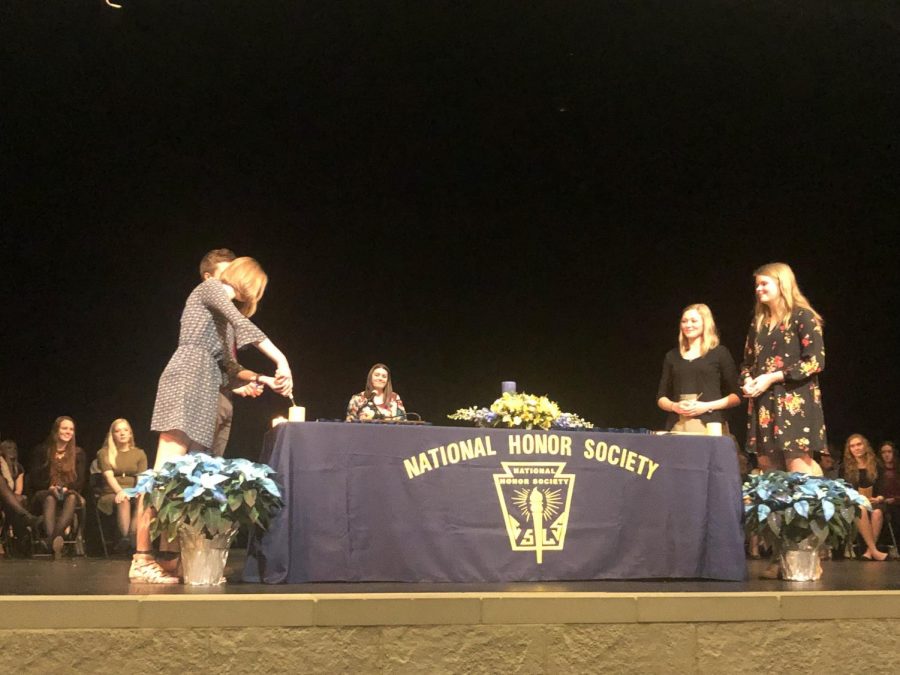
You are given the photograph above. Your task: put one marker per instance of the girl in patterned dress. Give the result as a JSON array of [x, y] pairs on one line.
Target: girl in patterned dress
[[783, 356], [379, 401], [187, 396]]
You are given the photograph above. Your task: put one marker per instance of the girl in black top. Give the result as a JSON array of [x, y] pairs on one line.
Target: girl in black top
[[699, 377], [861, 471], [57, 480]]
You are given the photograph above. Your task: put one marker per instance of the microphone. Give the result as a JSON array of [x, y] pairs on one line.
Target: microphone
[[370, 403]]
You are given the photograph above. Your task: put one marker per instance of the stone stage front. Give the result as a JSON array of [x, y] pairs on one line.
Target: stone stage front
[[81, 615]]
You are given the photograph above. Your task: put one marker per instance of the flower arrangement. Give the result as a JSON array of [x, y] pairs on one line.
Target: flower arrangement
[[791, 507], [211, 494], [521, 410]]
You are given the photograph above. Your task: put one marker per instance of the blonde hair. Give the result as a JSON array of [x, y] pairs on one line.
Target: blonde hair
[[112, 450], [710, 337], [851, 470], [790, 295], [248, 280]]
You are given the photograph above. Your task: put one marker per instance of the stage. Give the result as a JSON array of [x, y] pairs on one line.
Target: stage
[[652, 626]]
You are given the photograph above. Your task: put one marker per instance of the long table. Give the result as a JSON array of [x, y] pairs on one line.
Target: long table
[[367, 502]]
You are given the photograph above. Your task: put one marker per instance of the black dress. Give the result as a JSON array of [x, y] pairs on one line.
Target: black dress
[[787, 417], [713, 376]]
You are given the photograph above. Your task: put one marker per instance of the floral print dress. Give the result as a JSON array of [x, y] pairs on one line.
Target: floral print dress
[[787, 417], [361, 408]]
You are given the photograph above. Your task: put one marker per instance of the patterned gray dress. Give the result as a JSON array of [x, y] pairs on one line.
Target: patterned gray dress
[[188, 392]]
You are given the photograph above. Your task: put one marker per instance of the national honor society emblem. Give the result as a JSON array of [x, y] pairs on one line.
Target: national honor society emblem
[[535, 498]]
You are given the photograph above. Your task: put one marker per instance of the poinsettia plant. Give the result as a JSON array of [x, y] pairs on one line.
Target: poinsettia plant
[[791, 507], [211, 494]]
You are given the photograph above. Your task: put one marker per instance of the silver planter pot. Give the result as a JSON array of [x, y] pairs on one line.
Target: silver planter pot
[[203, 559], [800, 560]]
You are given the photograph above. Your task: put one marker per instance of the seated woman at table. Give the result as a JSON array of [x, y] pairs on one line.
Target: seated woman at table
[[120, 461], [56, 480], [699, 376], [379, 401], [861, 471]]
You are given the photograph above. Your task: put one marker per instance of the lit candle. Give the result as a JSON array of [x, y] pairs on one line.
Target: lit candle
[[277, 420], [297, 413]]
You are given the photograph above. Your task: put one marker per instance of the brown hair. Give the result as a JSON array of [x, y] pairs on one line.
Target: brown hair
[[248, 280], [851, 470], [213, 258], [65, 467], [388, 389]]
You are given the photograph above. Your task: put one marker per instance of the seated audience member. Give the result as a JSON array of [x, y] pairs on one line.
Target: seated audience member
[[12, 499], [860, 470], [56, 481], [120, 461], [747, 470], [830, 468], [379, 401], [887, 486]]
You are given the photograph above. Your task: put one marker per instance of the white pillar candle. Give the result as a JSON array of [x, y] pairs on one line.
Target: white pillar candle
[[714, 429], [297, 413]]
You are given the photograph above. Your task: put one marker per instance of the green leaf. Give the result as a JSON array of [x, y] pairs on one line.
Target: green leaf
[[774, 522], [820, 531], [235, 501], [250, 498]]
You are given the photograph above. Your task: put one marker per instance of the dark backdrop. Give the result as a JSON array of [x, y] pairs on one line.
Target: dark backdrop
[[467, 191]]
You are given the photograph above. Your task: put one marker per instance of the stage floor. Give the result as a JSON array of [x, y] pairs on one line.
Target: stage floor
[[100, 576]]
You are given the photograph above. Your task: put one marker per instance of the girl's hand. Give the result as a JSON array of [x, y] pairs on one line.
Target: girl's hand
[[696, 408], [758, 385], [121, 497]]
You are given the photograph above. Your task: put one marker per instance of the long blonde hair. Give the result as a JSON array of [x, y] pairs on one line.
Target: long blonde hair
[[710, 337], [112, 450], [791, 297], [248, 280], [851, 470]]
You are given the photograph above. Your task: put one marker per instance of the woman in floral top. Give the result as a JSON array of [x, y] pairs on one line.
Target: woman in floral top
[[783, 356], [378, 401]]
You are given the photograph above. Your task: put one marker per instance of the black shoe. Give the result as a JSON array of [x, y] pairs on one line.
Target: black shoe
[[123, 546]]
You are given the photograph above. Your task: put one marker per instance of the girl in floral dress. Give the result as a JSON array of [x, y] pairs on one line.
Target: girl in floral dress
[[783, 356]]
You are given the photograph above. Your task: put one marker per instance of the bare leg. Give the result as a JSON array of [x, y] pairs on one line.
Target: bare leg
[[804, 464], [877, 523], [172, 445], [865, 531]]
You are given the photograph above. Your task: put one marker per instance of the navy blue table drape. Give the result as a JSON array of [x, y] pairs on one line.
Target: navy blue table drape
[[450, 504]]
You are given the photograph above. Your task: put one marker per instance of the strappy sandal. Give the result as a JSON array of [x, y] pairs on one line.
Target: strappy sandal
[[148, 571]]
